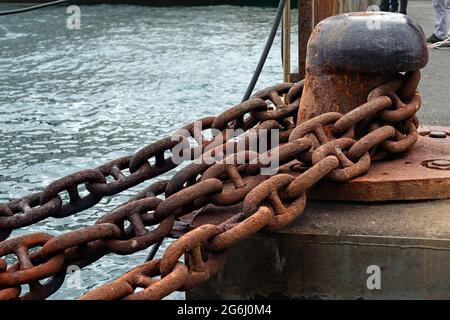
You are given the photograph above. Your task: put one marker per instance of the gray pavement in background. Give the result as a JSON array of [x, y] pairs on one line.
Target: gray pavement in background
[[435, 84]]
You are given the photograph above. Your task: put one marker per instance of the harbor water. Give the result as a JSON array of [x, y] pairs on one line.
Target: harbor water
[[74, 99]]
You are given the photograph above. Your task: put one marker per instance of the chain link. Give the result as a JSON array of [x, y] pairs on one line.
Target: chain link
[[332, 146]]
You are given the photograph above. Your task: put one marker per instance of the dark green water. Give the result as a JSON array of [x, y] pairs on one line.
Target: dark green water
[[74, 99]]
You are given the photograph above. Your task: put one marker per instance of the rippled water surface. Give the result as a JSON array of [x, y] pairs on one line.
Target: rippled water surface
[[74, 99]]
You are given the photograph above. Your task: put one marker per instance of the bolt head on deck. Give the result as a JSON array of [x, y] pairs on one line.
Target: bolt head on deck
[[367, 42]]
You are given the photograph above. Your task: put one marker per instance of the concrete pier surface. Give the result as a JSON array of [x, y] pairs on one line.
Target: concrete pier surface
[[338, 250], [435, 83]]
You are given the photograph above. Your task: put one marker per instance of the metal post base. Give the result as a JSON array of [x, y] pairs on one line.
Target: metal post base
[[423, 173]]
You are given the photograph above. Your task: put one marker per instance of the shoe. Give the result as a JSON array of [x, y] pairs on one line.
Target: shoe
[[434, 39]]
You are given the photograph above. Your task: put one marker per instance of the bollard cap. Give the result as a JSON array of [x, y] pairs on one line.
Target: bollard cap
[[367, 42]]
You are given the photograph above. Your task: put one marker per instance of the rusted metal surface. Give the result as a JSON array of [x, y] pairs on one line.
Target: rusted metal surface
[[143, 277], [24, 271], [305, 27], [310, 13], [416, 175], [339, 78], [333, 146], [438, 164]]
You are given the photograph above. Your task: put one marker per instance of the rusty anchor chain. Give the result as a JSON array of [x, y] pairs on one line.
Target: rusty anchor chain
[[332, 146]]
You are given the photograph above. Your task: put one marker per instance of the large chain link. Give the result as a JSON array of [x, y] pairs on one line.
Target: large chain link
[[334, 146]]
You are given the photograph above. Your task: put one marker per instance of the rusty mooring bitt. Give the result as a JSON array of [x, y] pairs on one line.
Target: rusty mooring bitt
[[349, 55]]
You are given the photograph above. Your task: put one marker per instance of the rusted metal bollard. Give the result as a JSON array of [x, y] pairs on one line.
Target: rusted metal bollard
[[348, 55]]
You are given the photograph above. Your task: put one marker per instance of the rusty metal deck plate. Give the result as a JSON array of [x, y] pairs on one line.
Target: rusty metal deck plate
[[423, 173]]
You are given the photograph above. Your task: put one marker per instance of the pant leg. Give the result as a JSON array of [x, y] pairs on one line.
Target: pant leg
[[447, 7], [441, 18], [394, 6], [403, 5], [384, 5]]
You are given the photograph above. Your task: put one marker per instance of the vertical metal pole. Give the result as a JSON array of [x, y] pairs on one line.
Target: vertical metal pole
[[310, 13], [305, 26], [287, 41]]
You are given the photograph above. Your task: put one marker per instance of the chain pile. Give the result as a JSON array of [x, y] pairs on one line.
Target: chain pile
[[335, 146]]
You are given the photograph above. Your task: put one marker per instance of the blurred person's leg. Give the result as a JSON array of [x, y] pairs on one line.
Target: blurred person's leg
[[441, 21], [384, 5], [447, 8], [403, 5], [394, 6]]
